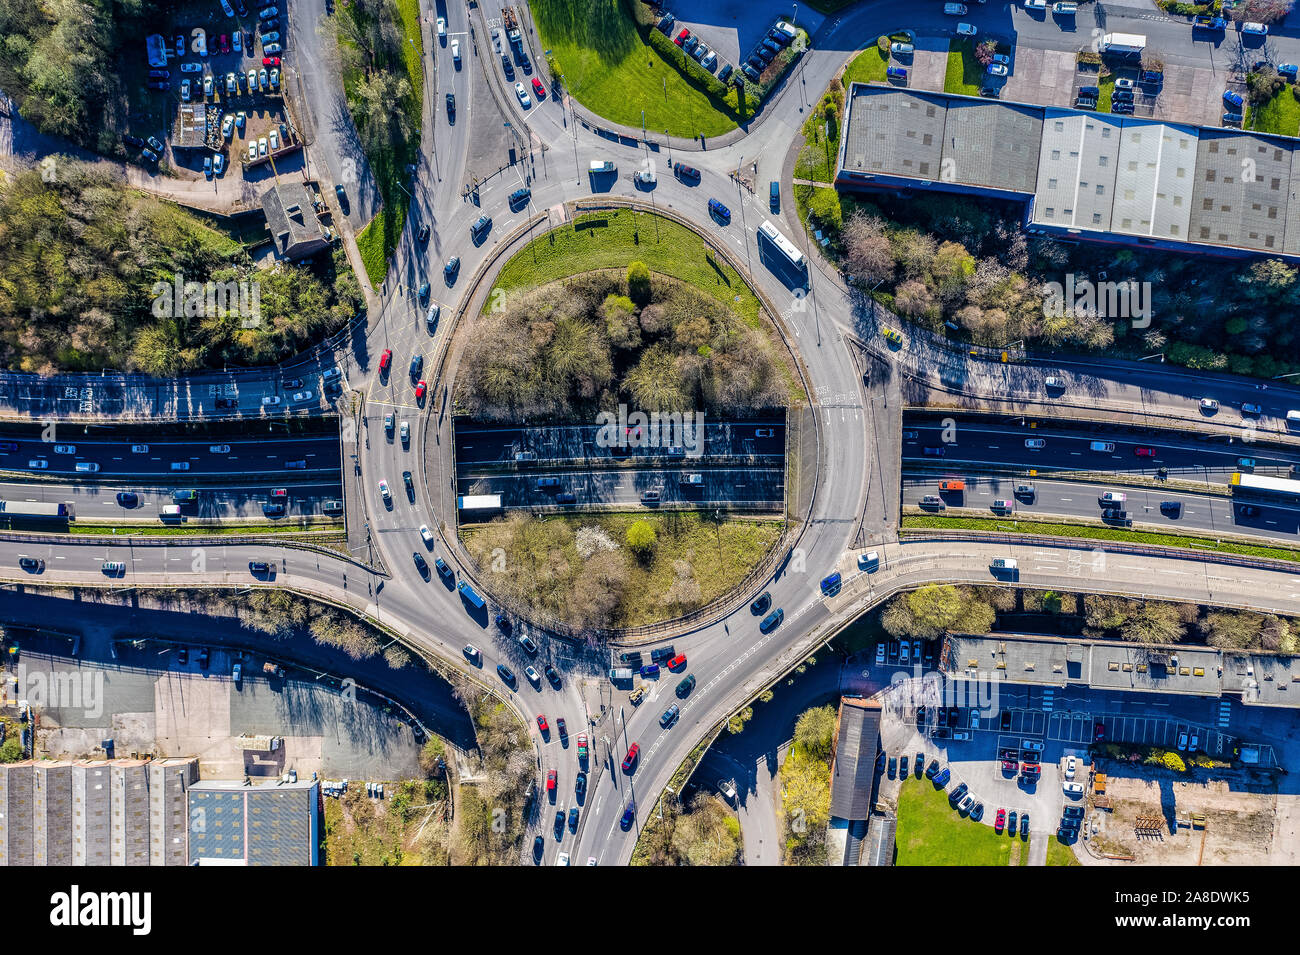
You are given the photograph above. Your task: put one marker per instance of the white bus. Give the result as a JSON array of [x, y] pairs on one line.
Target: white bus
[[793, 255]]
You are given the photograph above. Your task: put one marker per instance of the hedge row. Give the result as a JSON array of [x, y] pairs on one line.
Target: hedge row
[[698, 75]]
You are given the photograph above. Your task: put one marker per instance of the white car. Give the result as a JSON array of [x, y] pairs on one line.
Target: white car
[[1070, 763], [232, 85], [40, 464], [207, 86], [966, 29], [139, 449], [426, 535], [272, 48], [302, 396], [114, 567], [1072, 789], [880, 653], [218, 163], [405, 432], [219, 449], [1035, 4], [997, 69], [273, 139], [269, 400], [869, 561], [1035, 444], [191, 67], [252, 149], [1209, 404], [261, 146], [386, 494], [522, 93], [904, 48], [1124, 83], [65, 449], [442, 27], [227, 126], [455, 51], [185, 90], [252, 80]]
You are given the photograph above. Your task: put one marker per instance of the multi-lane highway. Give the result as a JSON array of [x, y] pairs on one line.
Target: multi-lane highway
[[857, 425], [140, 456]]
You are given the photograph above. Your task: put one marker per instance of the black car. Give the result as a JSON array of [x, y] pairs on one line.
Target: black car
[[956, 794], [1172, 508], [506, 675], [685, 686], [33, 565], [772, 620], [932, 770], [134, 141], [920, 716], [203, 658], [952, 716], [559, 823], [482, 225], [686, 173], [410, 486], [420, 564], [761, 603], [451, 104], [258, 566], [552, 675], [519, 197], [507, 66], [539, 846], [919, 765], [669, 717], [1004, 721], [1024, 826], [503, 622], [159, 74], [1247, 510], [127, 498], [423, 235], [183, 655], [580, 786], [227, 403]]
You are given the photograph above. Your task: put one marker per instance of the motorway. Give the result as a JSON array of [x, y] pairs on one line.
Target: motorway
[[858, 424], [273, 455]]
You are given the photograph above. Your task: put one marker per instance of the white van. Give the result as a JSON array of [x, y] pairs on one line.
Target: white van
[[1293, 418], [1102, 446], [180, 465], [955, 9], [1065, 8], [87, 466], [1003, 563], [171, 511], [601, 166], [1114, 497], [1256, 29]]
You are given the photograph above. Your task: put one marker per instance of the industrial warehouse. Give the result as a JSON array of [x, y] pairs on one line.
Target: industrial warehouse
[[1082, 175]]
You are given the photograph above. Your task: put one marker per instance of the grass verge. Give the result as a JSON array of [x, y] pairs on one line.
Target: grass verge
[[595, 46], [604, 240], [1102, 533], [1060, 854], [930, 832], [373, 243], [964, 73], [1280, 115], [817, 157], [325, 532]]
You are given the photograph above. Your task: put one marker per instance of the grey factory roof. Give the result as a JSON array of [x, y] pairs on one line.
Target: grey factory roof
[[292, 221], [1262, 678], [895, 132], [853, 773], [1086, 171], [269, 823], [1242, 192]]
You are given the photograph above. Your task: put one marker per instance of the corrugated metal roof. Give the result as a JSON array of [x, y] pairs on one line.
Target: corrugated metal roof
[[1242, 190], [853, 772]]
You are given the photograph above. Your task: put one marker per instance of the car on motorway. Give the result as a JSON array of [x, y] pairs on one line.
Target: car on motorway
[[259, 567], [539, 89], [630, 759], [385, 493], [421, 564], [1246, 464], [629, 814], [445, 572], [1253, 410], [451, 268], [1171, 508], [33, 565], [127, 498], [1209, 405], [772, 620], [1035, 444]]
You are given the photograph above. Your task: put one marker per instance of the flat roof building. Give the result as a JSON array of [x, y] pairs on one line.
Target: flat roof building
[[259, 823], [1082, 174]]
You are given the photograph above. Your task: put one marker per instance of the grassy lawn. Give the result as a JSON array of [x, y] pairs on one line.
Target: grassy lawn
[[964, 73], [930, 832], [379, 238], [867, 66], [546, 568], [1058, 854], [1101, 533], [611, 71], [1106, 86], [605, 240], [1279, 115], [817, 157]]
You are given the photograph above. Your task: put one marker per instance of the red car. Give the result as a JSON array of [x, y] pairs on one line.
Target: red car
[[224, 43], [550, 781], [420, 389], [280, 492], [677, 662], [1030, 770], [681, 37], [1010, 766], [630, 759], [538, 88], [542, 724], [1001, 822], [385, 359], [1145, 452], [270, 61]]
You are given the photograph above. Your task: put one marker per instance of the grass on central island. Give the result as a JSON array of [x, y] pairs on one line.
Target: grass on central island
[[931, 832], [612, 239]]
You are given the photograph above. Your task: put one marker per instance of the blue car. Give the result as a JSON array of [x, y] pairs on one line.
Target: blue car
[[719, 211], [628, 815], [772, 620], [1289, 70], [831, 584], [941, 779], [896, 73], [1233, 98], [506, 675]]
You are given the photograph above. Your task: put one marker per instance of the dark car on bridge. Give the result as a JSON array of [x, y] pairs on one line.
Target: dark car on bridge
[[772, 620], [685, 686], [761, 604]]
